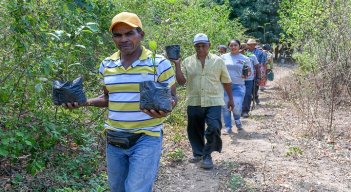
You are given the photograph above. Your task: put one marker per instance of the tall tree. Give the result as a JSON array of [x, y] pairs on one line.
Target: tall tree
[[260, 17]]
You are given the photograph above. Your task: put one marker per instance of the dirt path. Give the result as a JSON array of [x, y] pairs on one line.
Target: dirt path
[[270, 155]]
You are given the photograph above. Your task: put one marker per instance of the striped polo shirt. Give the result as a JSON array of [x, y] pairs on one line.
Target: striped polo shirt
[[124, 92]]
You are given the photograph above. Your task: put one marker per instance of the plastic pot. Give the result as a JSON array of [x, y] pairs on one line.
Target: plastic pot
[[245, 70], [173, 52]]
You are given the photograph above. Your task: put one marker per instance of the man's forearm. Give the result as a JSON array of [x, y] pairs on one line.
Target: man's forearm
[[228, 89], [174, 94], [179, 74], [258, 71], [100, 101]]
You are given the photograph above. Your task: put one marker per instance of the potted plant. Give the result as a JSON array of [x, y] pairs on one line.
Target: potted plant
[[155, 95]]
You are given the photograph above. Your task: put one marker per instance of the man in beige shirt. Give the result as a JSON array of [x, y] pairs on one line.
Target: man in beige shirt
[[207, 77]]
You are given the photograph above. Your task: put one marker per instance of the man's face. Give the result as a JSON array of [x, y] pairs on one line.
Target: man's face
[[243, 49], [127, 38], [251, 46], [221, 50], [202, 49]]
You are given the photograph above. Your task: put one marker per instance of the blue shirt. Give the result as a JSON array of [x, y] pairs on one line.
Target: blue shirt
[[261, 56]]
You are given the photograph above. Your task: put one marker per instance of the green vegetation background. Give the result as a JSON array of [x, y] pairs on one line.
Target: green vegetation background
[[47, 148]]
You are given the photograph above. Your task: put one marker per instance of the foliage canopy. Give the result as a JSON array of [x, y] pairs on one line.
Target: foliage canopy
[[46, 40], [260, 17]]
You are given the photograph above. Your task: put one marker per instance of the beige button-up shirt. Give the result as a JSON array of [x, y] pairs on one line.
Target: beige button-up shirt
[[204, 85]]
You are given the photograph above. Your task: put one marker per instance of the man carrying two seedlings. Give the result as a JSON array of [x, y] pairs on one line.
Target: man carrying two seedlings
[[134, 136], [206, 75]]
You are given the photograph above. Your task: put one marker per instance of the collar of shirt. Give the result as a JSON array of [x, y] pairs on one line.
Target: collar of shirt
[[207, 57], [145, 54]]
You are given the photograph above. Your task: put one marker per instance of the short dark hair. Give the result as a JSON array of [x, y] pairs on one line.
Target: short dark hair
[[266, 47], [235, 40], [222, 46], [139, 30]]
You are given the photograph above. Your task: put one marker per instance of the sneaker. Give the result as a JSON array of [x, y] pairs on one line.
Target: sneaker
[[227, 131], [207, 162], [245, 114], [195, 159], [238, 125]]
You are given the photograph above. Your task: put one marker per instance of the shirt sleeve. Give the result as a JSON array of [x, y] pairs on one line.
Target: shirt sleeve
[[101, 72], [248, 60], [183, 67], [254, 59], [166, 72]]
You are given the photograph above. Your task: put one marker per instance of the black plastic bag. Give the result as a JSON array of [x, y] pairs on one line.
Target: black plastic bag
[[270, 76], [155, 95], [173, 52], [68, 91]]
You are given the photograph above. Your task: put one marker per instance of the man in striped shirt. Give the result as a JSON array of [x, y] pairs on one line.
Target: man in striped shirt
[[132, 167]]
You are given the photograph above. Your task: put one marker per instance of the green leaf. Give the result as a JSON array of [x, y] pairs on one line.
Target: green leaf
[[81, 46], [59, 32], [28, 142], [46, 70], [94, 27], [6, 141], [20, 134], [87, 31], [38, 87], [43, 79], [153, 45], [36, 166], [54, 36], [3, 152], [74, 64]]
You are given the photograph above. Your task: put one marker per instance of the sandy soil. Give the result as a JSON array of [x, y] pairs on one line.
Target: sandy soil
[[271, 154]]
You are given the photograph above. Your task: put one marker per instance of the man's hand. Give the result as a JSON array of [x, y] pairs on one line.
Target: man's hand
[[74, 105], [156, 114], [230, 105], [177, 62], [160, 114], [174, 101]]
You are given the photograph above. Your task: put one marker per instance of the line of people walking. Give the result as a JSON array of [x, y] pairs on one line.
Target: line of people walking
[[134, 136]]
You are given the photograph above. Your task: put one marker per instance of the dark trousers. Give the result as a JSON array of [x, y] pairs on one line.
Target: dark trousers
[[197, 117], [248, 95], [255, 90]]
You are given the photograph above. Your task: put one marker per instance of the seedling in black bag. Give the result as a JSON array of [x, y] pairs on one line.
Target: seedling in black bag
[[68, 92], [155, 95], [245, 70]]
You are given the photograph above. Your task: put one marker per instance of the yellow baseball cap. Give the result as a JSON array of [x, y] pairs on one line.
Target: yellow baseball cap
[[130, 19]]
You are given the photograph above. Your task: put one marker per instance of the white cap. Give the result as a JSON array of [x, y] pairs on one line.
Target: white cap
[[251, 41], [201, 38]]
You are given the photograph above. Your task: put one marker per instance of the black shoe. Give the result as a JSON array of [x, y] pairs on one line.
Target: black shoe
[[207, 162], [257, 101], [245, 114], [195, 159]]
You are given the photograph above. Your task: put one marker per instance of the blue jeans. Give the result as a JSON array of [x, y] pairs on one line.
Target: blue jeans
[[248, 95], [238, 97], [134, 169]]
